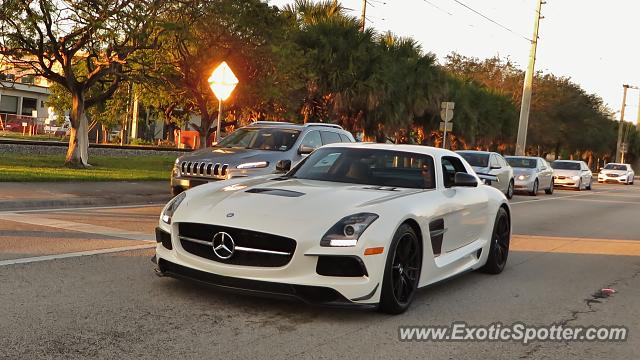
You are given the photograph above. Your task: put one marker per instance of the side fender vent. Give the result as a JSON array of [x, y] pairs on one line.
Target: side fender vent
[[436, 232]]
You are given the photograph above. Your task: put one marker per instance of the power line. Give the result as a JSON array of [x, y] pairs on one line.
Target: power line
[[491, 20], [437, 7]]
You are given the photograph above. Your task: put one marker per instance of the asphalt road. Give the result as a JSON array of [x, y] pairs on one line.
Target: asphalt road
[[108, 304]]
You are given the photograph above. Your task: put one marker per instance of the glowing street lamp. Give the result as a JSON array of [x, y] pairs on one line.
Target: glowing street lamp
[[222, 82]]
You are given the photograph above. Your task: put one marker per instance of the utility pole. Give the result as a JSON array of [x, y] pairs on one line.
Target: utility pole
[[363, 18], [621, 127], [521, 142]]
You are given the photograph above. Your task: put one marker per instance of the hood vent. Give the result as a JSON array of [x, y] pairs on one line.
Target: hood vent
[[276, 192]]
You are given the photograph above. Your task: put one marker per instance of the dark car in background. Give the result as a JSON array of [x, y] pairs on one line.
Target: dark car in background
[[258, 149]]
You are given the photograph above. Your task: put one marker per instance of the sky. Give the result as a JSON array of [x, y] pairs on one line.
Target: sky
[[595, 43]]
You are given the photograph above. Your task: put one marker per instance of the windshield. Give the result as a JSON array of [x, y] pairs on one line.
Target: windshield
[[616, 167], [260, 138], [476, 159], [368, 166], [518, 162], [565, 165]]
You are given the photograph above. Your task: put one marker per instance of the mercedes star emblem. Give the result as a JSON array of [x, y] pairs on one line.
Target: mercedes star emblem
[[223, 245]]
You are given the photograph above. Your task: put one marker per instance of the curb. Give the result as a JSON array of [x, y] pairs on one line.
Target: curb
[[46, 204]]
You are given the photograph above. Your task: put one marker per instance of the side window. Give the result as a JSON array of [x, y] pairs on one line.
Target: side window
[[329, 137], [502, 161], [312, 140], [345, 138], [493, 162], [450, 166]]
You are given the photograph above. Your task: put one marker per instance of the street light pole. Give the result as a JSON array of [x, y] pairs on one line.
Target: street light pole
[[621, 126], [363, 18], [521, 142]]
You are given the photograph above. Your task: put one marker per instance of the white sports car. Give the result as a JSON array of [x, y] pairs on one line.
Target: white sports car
[[363, 224]]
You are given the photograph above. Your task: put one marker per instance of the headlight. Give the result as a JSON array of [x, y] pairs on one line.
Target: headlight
[[253, 165], [575, 177], [523, 177], [171, 208], [347, 231]]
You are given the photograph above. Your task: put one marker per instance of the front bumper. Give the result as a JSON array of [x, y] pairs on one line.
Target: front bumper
[[610, 179], [317, 295], [525, 184], [298, 279], [187, 183], [566, 181]]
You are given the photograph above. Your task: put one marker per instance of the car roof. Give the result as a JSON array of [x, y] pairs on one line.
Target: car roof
[[419, 149], [521, 157], [290, 125], [569, 161], [476, 152]]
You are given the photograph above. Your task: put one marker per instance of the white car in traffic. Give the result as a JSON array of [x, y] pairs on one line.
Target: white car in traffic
[[572, 173], [363, 224], [617, 173]]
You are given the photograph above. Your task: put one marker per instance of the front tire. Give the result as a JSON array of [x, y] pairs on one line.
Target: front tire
[[579, 188], [500, 239], [510, 190], [588, 187], [549, 191], [534, 191], [402, 271]]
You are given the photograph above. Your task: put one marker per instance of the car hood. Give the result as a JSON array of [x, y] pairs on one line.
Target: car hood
[[523, 171], [561, 172], [617, 172], [233, 156], [264, 204]]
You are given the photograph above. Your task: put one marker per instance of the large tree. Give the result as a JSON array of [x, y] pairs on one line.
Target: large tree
[[249, 35], [77, 44]]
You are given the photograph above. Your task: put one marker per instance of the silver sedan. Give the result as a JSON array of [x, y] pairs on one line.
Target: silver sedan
[[531, 174]]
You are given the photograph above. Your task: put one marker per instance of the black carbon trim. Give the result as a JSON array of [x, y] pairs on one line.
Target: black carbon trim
[[317, 295], [436, 233]]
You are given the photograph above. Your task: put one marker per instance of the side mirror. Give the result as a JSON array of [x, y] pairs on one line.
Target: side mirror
[[305, 150], [465, 180], [283, 166], [495, 167]]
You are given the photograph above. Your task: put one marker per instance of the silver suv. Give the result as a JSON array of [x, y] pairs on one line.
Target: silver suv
[[261, 148]]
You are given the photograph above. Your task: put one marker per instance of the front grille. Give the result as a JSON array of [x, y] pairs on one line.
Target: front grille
[[252, 248], [561, 177], [204, 169], [612, 175]]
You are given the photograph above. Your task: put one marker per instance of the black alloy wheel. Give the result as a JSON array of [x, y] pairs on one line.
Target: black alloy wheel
[[402, 271], [500, 240]]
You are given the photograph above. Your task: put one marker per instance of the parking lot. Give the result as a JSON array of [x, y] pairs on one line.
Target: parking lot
[[78, 283]]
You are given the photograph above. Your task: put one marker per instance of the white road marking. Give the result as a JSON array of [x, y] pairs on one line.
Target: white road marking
[[73, 254], [79, 227], [83, 208], [558, 197]]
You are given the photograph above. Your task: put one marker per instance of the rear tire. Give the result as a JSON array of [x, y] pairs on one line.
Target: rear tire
[[549, 191], [500, 239], [401, 272], [534, 191]]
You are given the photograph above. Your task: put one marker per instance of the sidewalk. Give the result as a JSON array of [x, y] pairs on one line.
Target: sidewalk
[[49, 195]]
